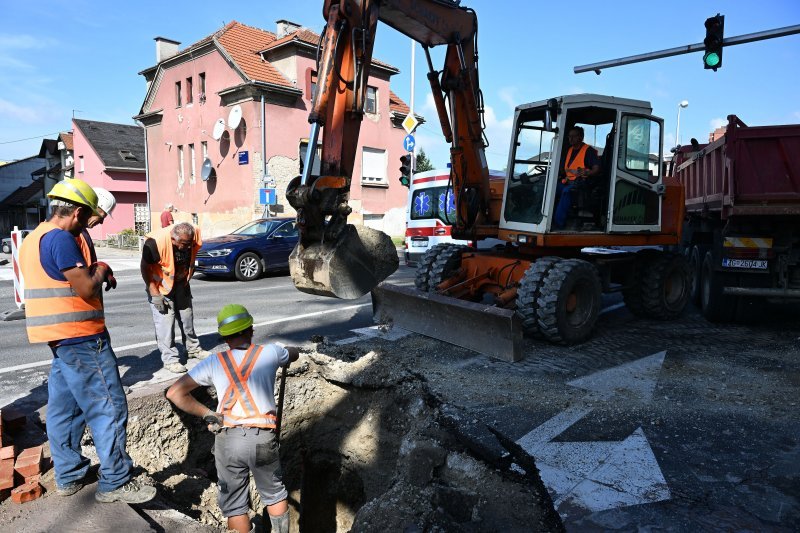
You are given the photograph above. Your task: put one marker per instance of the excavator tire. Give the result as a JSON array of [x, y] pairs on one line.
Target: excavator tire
[[569, 302], [528, 293], [446, 263], [632, 293], [666, 286], [423, 274]]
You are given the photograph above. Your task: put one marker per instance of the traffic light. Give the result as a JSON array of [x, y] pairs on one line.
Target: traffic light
[[405, 170], [715, 28]]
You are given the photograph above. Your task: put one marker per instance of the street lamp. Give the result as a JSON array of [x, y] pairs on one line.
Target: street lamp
[[684, 103]]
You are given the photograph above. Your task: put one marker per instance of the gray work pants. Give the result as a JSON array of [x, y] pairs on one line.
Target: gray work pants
[[179, 307]]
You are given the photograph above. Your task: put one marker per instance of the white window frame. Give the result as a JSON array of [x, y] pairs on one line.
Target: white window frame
[[194, 162], [204, 149], [373, 167], [180, 163], [81, 168], [366, 100]]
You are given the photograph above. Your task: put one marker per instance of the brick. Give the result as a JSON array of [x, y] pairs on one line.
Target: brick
[[26, 492], [7, 474], [7, 452], [29, 462], [12, 419], [33, 479]]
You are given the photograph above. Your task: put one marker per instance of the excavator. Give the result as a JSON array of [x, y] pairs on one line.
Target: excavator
[[544, 280]]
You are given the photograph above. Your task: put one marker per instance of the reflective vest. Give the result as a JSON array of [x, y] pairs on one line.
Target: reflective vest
[[571, 169], [53, 311], [238, 392], [86, 251], [163, 272]]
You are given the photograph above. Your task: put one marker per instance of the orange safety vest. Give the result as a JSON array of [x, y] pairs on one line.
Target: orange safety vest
[[163, 272], [238, 392], [53, 311], [571, 169], [85, 250]]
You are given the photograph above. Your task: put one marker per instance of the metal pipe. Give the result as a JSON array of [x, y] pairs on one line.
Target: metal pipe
[[311, 151], [769, 293]]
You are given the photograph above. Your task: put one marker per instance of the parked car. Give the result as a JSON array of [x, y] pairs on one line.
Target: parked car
[[7, 241], [257, 247]]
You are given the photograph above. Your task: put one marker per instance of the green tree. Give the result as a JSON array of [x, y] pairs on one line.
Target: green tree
[[423, 163]]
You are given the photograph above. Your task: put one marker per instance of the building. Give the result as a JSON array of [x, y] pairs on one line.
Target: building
[[112, 156], [243, 92], [21, 198]]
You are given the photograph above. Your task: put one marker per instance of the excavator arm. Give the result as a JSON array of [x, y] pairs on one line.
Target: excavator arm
[[334, 258]]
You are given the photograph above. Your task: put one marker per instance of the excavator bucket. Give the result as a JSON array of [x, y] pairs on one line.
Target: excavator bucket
[[346, 268], [483, 328]]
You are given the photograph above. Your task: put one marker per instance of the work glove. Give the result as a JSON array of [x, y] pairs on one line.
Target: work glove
[[160, 304], [109, 279], [214, 421]]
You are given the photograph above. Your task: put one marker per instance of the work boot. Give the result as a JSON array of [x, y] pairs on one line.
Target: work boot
[[199, 354], [69, 489], [175, 368], [131, 492]]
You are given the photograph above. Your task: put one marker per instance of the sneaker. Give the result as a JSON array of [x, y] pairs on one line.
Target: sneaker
[[199, 354], [131, 492], [70, 488], [175, 368]]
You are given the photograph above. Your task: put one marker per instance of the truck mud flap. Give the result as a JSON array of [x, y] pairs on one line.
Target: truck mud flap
[[483, 328]]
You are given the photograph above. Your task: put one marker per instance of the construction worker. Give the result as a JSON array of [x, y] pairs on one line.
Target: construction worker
[[167, 266], [63, 308], [166, 216], [581, 163], [245, 419], [105, 205]]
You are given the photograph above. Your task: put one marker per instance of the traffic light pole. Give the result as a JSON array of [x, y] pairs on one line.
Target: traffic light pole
[[688, 49]]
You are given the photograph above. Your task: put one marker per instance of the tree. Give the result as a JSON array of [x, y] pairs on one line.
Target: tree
[[423, 163]]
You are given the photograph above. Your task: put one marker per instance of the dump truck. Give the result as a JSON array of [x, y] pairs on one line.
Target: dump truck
[[742, 230], [545, 280]]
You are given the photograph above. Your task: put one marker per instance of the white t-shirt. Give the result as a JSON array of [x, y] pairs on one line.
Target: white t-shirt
[[261, 381]]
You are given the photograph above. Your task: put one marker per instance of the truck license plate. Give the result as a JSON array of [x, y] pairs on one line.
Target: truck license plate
[[421, 243], [745, 263]]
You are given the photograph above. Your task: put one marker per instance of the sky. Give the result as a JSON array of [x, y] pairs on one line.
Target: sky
[[60, 59]]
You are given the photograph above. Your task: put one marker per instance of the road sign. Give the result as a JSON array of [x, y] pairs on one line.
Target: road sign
[[244, 157], [267, 197], [410, 123], [408, 143]]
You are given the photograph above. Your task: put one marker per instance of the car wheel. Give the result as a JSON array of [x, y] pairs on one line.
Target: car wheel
[[6, 248], [248, 267]]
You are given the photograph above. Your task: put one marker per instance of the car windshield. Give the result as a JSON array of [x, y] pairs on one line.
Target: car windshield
[[257, 227]]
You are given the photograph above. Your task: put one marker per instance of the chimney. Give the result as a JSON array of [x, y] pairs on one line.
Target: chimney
[[285, 27], [165, 48]]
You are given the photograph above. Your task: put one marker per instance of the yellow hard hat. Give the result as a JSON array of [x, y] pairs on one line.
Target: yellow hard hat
[[75, 191], [233, 319]]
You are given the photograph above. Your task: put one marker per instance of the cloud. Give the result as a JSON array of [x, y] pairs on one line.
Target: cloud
[[796, 115], [25, 42], [508, 95], [26, 114], [717, 123]]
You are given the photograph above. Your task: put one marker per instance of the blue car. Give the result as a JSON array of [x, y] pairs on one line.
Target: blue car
[[257, 247]]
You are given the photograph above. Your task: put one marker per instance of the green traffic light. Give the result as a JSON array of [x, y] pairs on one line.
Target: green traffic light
[[711, 59]]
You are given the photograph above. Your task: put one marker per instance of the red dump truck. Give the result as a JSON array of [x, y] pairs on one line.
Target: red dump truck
[[742, 229]]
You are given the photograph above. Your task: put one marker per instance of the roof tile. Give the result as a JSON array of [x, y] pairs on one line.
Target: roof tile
[[243, 43]]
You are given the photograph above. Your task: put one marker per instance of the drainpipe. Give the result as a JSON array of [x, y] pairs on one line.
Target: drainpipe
[[264, 144], [147, 184]]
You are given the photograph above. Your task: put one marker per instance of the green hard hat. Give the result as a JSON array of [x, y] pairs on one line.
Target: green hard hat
[[233, 319]]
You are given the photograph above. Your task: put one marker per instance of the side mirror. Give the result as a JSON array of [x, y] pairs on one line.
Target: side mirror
[[551, 114]]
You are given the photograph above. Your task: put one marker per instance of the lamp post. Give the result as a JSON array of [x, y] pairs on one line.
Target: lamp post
[[684, 103]]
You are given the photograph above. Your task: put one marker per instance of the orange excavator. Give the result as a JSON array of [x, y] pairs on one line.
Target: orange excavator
[[548, 276]]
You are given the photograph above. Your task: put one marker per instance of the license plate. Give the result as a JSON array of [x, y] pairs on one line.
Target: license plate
[[197, 263], [419, 244], [760, 264]]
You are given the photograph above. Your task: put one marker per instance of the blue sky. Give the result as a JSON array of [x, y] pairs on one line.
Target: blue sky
[[59, 56]]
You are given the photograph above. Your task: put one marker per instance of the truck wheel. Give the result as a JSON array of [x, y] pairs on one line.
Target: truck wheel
[[446, 263], [695, 257], [666, 286], [423, 274], [632, 293], [528, 293], [569, 302], [716, 306]]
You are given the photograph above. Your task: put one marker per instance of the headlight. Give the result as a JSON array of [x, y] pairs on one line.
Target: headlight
[[222, 252]]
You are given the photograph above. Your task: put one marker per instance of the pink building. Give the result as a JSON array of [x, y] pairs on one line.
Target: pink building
[[267, 79], [112, 156]]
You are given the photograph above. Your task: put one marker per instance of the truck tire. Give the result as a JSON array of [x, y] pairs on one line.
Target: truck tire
[[528, 293], [632, 293], [445, 265], [569, 302], [665, 286], [716, 306], [694, 256], [423, 274]]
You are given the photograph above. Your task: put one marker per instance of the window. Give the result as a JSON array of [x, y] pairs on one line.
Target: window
[[189, 96], [372, 100], [202, 81], [317, 156], [80, 163], [178, 94], [141, 219], [287, 230], [127, 155], [373, 167], [434, 202], [204, 149], [312, 87], [193, 165], [180, 164], [639, 137]]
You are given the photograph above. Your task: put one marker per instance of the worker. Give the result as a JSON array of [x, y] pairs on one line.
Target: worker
[[166, 216], [167, 266], [581, 163], [245, 420], [63, 308], [105, 205]]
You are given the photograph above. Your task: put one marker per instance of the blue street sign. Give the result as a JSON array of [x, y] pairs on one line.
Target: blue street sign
[[244, 157], [408, 143], [267, 197]]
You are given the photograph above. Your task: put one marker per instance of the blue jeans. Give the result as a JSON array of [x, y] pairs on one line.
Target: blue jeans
[[562, 209], [85, 388]]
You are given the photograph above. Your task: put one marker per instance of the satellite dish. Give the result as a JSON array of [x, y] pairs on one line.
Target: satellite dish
[[235, 117], [208, 169], [219, 129]]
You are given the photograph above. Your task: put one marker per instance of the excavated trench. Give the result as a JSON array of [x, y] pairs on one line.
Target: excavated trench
[[364, 447]]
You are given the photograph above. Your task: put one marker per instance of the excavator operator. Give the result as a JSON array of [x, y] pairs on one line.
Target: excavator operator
[[581, 163]]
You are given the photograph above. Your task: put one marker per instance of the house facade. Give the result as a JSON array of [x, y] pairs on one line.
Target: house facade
[[228, 116], [21, 195]]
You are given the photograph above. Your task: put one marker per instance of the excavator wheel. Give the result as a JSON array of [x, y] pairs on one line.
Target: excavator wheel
[[569, 302], [632, 293], [528, 293], [423, 274], [666, 286], [446, 263]]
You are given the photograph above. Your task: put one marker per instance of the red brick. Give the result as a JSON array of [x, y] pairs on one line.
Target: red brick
[[7, 452], [29, 462], [7, 474], [12, 419], [26, 492], [33, 479]]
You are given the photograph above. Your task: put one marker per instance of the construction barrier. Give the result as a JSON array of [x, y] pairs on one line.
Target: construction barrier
[[19, 282]]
